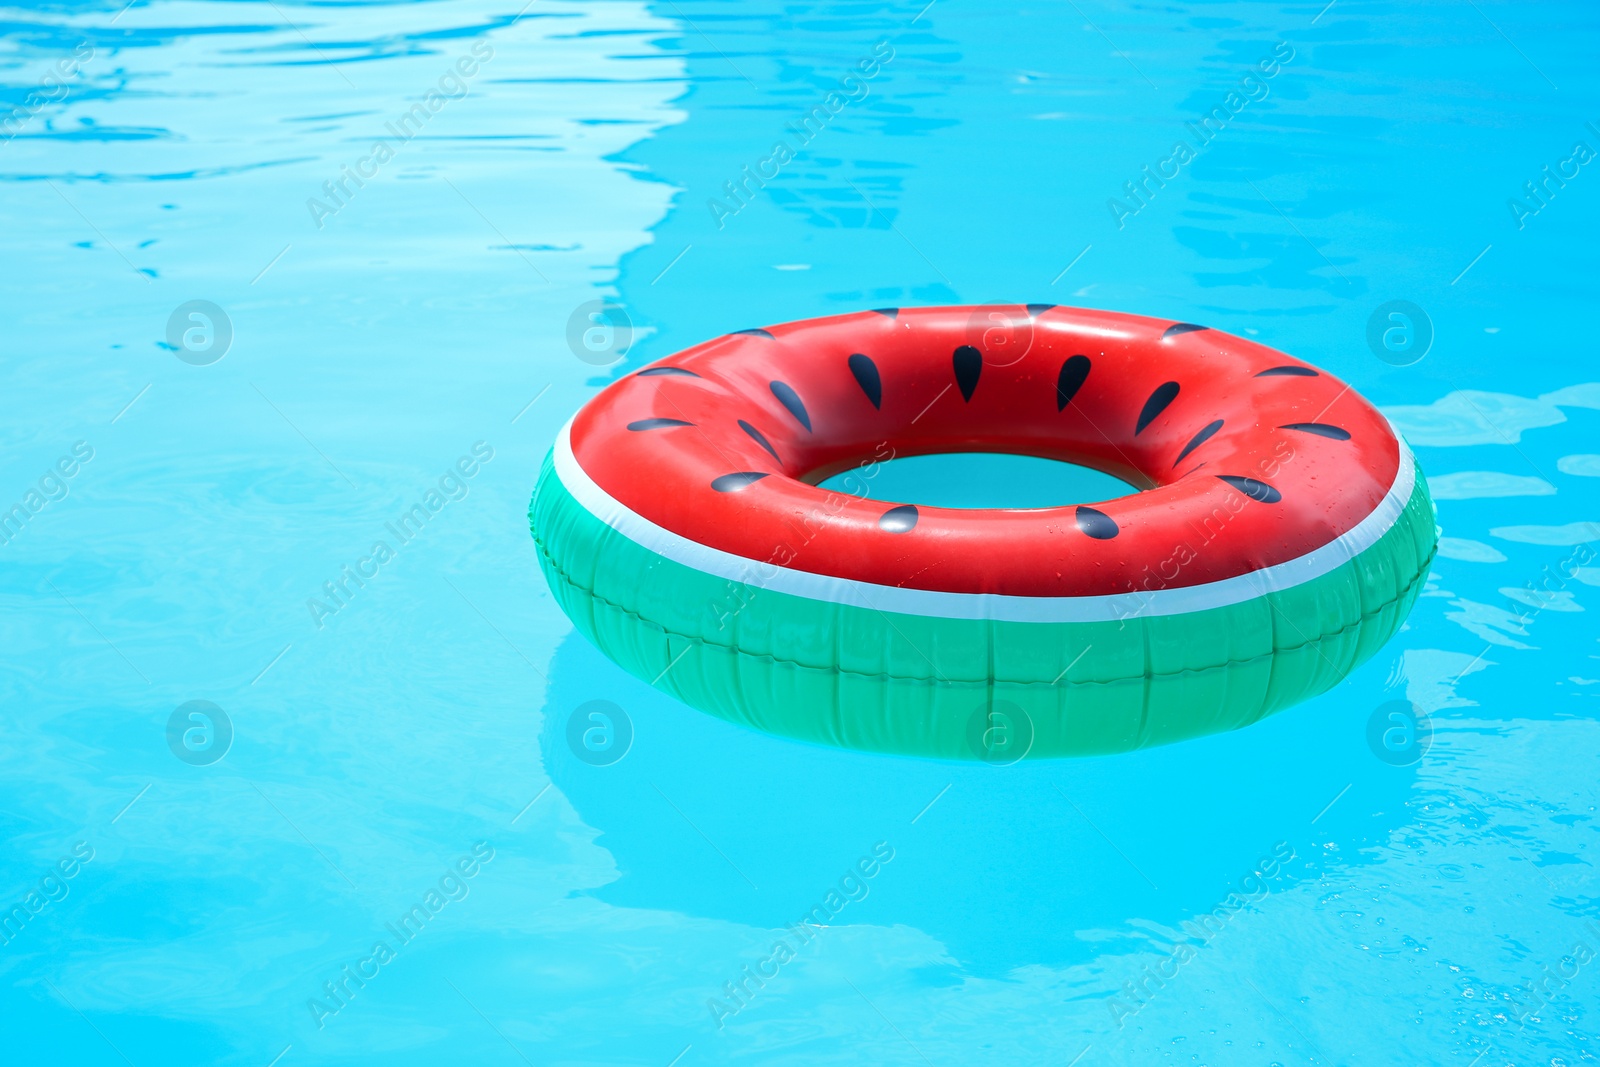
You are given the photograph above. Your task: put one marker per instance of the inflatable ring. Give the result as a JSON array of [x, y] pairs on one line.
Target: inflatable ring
[[1281, 536]]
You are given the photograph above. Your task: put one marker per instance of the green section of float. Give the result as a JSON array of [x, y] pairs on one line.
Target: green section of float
[[911, 684]]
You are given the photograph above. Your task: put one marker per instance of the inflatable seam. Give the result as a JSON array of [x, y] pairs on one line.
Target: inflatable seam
[[1273, 654]]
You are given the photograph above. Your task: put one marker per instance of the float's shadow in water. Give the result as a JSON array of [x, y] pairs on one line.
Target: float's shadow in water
[[1009, 866]]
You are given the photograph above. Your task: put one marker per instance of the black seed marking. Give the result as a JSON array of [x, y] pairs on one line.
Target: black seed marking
[[751, 333], [759, 438], [892, 313], [1197, 440], [791, 400], [866, 373], [968, 363], [732, 483], [1073, 373], [898, 520], [1035, 310], [651, 372], [1287, 372], [1180, 328], [1157, 403], [657, 424], [1260, 492], [1321, 429], [1097, 524]]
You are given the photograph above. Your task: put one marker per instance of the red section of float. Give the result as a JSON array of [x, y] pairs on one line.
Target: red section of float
[[1252, 458]]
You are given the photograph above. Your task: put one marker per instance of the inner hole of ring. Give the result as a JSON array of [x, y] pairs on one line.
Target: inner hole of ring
[[978, 480]]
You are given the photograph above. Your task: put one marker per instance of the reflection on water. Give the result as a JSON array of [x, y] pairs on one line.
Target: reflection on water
[[393, 307], [1031, 828]]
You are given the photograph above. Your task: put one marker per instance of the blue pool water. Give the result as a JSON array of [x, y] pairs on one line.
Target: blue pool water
[[980, 480], [412, 736]]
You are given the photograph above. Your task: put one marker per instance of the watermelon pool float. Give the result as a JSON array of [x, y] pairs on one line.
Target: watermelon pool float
[[1281, 536]]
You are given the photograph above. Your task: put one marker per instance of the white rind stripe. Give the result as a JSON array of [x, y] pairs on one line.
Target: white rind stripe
[[1106, 608]]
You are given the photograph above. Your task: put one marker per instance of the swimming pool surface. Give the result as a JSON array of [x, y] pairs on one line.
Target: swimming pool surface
[[379, 838]]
